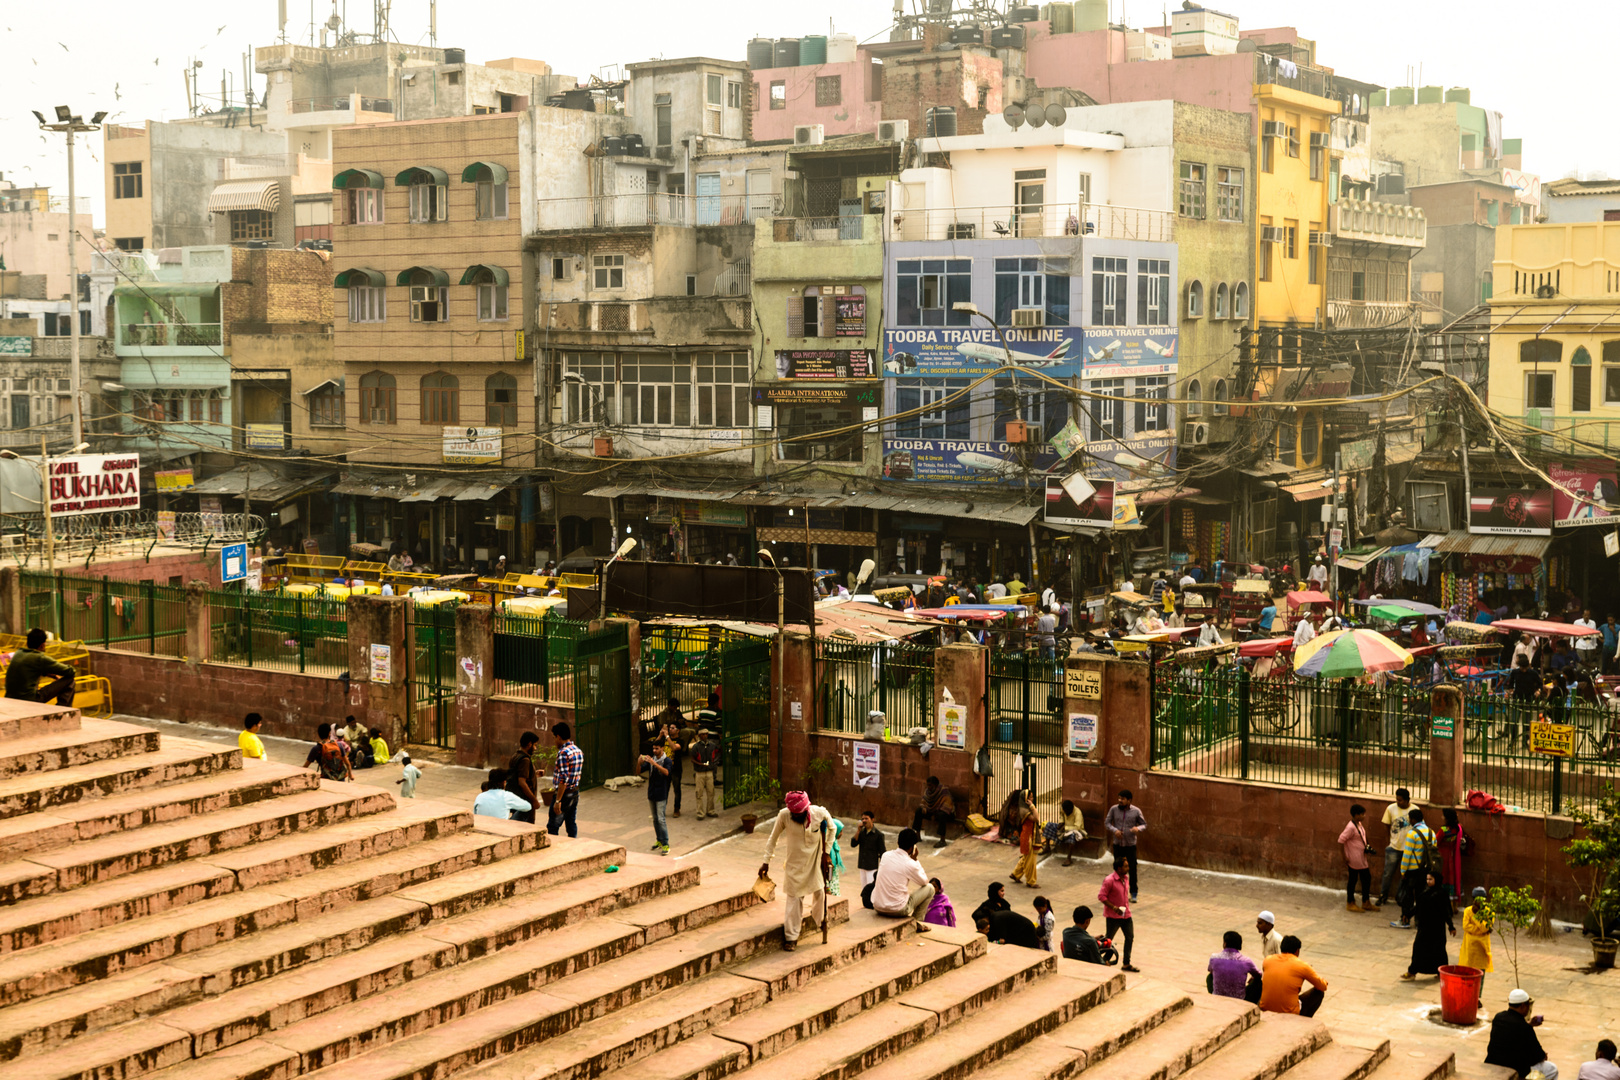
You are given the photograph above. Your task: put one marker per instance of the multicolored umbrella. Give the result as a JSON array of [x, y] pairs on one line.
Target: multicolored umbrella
[[1343, 654], [1415, 607]]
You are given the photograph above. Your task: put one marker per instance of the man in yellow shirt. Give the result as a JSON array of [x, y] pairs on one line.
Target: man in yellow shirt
[[252, 746], [1284, 976]]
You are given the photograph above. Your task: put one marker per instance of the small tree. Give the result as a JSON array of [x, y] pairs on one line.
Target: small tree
[[757, 786], [1513, 910], [1595, 859]]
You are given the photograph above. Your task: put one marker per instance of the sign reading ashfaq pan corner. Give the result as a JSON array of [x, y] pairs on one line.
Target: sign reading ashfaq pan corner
[[94, 484]]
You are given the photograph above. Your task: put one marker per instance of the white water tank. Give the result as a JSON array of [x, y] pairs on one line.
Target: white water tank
[[1203, 32], [841, 49]]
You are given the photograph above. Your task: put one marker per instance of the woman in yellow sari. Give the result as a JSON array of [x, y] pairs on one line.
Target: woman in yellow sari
[[1478, 922]]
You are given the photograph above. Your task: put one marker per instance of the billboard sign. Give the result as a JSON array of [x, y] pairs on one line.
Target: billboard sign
[[1124, 352], [963, 352], [825, 363], [472, 446], [960, 461], [1096, 512], [1586, 493], [1510, 511], [1130, 459], [95, 484]]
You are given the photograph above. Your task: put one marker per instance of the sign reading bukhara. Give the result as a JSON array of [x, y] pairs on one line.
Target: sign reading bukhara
[[95, 484]]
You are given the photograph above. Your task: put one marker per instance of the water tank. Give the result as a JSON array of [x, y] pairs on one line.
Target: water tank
[[761, 53], [841, 48], [1023, 14], [1458, 94], [787, 52], [613, 144], [812, 49], [635, 145], [455, 56], [1090, 15], [1007, 37], [1400, 95], [967, 34], [1431, 95], [1061, 16]]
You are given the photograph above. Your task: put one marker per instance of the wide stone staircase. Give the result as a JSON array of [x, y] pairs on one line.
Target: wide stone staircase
[[169, 911]]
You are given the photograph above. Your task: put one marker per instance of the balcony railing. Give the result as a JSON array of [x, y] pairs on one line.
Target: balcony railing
[[1574, 434], [1076, 220], [172, 334], [340, 103], [1380, 223], [1366, 314], [822, 229], [646, 209]]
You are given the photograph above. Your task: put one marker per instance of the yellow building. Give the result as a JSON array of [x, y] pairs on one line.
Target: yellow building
[[1291, 209], [1555, 322]]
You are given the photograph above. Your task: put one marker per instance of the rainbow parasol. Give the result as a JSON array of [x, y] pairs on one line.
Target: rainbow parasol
[[1343, 654]]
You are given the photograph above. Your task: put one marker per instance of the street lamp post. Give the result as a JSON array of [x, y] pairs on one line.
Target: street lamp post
[[781, 628], [71, 125]]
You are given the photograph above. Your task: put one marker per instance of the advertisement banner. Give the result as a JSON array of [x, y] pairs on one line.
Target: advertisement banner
[[960, 461], [472, 446], [11, 345], [1067, 441], [1096, 512], [964, 352], [850, 316], [802, 393], [1124, 352], [263, 437], [1131, 459], [825, 363], [1510, 511], [171, 481], [94, 484], [1587, 493]]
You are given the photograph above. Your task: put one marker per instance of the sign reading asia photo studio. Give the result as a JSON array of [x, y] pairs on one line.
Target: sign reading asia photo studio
[[824, 364], [1062, 352], [961, 461], [94, 484]]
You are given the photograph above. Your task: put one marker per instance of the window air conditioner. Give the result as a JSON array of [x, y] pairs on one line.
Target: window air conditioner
[[1273, 129], [809, 134], [1321, 239], [1028, 318], [1319, 138], [893, 130], [1194, 433], [961, 230], [1271, 234]]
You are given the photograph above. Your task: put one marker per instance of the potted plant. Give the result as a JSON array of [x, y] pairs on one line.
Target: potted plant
[[1595, 859], [756, 786]]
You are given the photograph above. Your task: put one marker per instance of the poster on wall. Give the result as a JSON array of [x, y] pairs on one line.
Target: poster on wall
[[962, 461], [1123, 352], [952, 727], [955, 352], [1510, 511], [868, 762], [1096, 512], [95, 484], [382, 663], [173, 481], [850, 316], [825, 363], [1082, 734], [1585, 493]]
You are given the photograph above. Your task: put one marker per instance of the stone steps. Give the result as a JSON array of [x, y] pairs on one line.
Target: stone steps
[[25, 719], [1189, 1037], [175, 761], [93, 740], [1264, 1051], [1340, 1061]]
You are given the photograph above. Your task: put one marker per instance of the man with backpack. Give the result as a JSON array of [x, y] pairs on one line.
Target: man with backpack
[[705, 756], [1420, 857], [328, 757]]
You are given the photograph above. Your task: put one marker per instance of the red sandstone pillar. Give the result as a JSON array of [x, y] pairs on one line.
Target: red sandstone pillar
[[1446, 736], [961, 670], [475, 680], [379, 620]]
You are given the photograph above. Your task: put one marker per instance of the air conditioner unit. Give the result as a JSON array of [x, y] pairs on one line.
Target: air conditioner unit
[[1194, 433], [809, 135], [961, 230], [1272, 234], [1028, 318], [893, 130], [1273, 129], [1321, 239], [1319, 138]]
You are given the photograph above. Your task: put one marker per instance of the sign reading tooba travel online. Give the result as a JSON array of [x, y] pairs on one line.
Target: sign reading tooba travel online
[[1103, 352]]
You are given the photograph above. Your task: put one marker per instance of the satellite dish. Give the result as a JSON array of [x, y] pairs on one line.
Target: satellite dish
[[1056, 114], [1014, 115], [1246, 45], [1036, 116]]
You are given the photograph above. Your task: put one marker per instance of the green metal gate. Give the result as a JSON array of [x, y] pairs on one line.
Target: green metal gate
[[1024, 714], [431, 703], [745, 712], [602, 714]]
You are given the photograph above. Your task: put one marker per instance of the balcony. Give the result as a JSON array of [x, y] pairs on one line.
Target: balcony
[[1367, 314], [824, 229], [181, 334], [1380, 223], [1078, 220], [643, 210], [347, 102], [1572, 434]]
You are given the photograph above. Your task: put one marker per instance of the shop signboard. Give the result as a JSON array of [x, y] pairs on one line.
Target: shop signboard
[[695, 512], [1584, 493], [16, 346], [1510, 511], [173, 481], [771, 395], [1129, 459], [1097, 512], [961, 461], [472, 445], [961, 351], [264, 437], [825, 363], [94, 484], [1126, 352]]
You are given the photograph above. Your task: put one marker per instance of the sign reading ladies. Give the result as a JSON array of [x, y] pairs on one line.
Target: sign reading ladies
[[94, 484]]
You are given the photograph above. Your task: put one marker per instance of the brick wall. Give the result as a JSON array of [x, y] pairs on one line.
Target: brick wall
[[287, 286], [970, 82]]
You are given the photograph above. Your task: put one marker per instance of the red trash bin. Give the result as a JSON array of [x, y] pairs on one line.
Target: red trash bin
[[1459, 994]]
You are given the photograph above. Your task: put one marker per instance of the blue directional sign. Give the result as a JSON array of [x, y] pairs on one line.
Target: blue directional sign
[[233, 559]]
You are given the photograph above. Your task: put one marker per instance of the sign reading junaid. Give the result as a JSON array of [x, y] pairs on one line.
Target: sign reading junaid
[[472, 445], [95, 484]]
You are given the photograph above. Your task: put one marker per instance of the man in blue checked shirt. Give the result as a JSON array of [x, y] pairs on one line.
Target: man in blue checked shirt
[[566, 774]]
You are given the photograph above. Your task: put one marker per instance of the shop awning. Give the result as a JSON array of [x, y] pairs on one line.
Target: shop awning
[[484, 170], [335, 384], [374, 484], [1314, 489], [486, 487], [1154, 492], [357, 178], [1522, 547], [433, 488], [422, 174], [168, 290], [245, 195], [260, 483], [1361, 561]]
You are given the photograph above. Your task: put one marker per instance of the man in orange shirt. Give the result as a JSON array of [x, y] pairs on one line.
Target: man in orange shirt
[[1285, 975]]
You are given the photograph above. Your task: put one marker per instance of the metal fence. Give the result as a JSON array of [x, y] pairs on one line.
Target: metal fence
[[305, 634], [1025, 721], [1301, 731], [140, 616], [855, 677], [1497, 758], [534, 656]]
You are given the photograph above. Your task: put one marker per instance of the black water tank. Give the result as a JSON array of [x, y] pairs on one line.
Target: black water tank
[[613, 144], [635, 145], [455, 56], [761, 53], [967, 34], [1007, 37], [787, 52], [1023, 14]]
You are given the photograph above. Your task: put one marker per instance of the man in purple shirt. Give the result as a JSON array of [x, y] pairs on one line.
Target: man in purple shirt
[[1231, 974]]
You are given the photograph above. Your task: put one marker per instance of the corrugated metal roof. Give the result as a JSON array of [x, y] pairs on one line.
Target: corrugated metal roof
[[1532, 547], [260, 483]]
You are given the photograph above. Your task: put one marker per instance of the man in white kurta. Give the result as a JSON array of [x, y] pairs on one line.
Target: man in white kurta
[[798, 829]]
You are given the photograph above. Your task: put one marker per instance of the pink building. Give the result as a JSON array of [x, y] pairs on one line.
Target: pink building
[[846, 98]]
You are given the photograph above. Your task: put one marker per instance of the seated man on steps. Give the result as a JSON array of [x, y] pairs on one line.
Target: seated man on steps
[[901, 889], [1284, 976], [29, 665], [937, 806]]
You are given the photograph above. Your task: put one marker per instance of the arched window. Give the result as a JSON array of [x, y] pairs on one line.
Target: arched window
[[490, 178], [1221, 407], [430, 293], [441, 399], [1540, 351], [427, 185], [366, 292], [1580, 380], [500, 400], [1220, 301], [196, 404], [216, 406], [377, 399], [1310, 438], [1240, 300], [491, 283], [1193, 393], [1195, 300]]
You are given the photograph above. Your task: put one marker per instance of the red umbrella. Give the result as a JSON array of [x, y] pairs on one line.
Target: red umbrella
[[1266, 646], [1309, 596], [1545, 628]]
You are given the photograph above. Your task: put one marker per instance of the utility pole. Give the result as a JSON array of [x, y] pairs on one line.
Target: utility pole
[[1333, 549]]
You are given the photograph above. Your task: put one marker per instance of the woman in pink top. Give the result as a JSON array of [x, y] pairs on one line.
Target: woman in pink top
[[1115, 895], [1354, 842]]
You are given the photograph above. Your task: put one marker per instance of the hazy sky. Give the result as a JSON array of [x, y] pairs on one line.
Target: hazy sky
[[1543, 74]]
